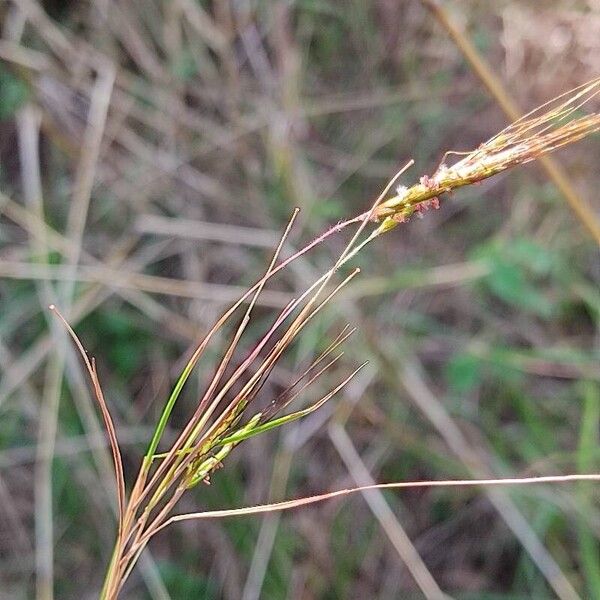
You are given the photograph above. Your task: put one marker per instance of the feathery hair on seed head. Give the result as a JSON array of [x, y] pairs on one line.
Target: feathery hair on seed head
[[543, 130]]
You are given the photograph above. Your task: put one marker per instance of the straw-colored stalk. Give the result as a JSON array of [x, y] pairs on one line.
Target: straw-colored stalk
[[221, 421]]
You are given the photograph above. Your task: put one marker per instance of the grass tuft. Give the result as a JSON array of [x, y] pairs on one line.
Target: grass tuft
[[225, 414]]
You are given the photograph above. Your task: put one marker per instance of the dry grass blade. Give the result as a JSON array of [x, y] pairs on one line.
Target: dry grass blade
[[384, 514], [289, 394], [290, 504], [108, 422]]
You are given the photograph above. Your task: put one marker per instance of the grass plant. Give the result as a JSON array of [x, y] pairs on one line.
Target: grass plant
[[226, 413]]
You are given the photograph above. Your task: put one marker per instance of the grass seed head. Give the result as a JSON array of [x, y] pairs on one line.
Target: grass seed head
[[542, 131]]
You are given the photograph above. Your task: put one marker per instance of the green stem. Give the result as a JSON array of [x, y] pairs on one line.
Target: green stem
[[110, 572], [589, 550]]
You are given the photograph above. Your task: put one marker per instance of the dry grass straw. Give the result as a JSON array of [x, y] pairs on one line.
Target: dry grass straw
[[221, 420]]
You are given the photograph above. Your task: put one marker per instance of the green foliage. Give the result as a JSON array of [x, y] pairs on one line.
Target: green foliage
[[12, 429], [548, 522], [289, 546], [119, 338], [349, 539], [328, 210], [518, 270], [185, 67], [587, 461], [185, 583], [67, 491], [13, 93], [463, 372]]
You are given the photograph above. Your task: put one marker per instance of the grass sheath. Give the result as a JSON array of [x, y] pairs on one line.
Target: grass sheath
[[221, 419]]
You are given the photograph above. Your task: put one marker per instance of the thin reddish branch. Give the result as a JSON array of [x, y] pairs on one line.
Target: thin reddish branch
[[108, 422]]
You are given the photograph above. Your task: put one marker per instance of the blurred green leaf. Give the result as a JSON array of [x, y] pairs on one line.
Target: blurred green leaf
[[185, 67], [589, 549], [463, 372], [118, 337], [185, 583], [537, 259], [13, 93], [516, 272], [328, 209]]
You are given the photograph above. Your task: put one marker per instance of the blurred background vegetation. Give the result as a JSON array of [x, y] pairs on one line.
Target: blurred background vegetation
[[150, 153]]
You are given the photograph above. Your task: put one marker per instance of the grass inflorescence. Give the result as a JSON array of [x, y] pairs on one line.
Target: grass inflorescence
[[225, 414], [545, 129]]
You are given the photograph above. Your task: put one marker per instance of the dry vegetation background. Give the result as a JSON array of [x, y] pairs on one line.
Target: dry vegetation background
[[150, 153]]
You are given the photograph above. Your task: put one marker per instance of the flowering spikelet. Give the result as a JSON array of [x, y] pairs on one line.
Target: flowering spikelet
[[538, 133]]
